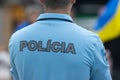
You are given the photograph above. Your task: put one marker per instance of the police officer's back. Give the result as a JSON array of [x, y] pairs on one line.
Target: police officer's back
[[55, 48]]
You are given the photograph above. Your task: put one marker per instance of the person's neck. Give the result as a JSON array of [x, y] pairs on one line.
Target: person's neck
[[61, 11]]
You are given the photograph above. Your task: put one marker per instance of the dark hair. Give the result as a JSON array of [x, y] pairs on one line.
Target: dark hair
[[56, 4]]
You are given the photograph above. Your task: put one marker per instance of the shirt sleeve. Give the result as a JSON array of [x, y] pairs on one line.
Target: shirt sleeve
[[100, 69], [13, 70]]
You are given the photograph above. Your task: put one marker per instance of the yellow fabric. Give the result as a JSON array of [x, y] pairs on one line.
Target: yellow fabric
[[112, 28]]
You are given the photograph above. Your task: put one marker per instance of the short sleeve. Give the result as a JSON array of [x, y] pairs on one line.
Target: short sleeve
[[100, 69], [12, 56]]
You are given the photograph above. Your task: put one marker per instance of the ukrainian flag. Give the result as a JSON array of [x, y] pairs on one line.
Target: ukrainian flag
[[108, 25]]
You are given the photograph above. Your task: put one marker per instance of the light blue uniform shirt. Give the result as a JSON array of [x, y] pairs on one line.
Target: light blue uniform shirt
[[57, 49]]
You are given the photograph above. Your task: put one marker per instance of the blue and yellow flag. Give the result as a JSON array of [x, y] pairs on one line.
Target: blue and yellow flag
[[108, 24]]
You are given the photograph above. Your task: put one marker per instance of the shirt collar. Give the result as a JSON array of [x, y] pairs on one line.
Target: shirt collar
[[54, 15]]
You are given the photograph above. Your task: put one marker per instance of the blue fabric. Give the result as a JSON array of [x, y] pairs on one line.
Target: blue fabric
[[57, 50], [107, 14], [22, 25]]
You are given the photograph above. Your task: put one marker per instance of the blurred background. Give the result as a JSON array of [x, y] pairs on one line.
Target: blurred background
[[16, 14]]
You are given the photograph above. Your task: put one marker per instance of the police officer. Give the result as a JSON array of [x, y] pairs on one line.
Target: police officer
[[55, 48]]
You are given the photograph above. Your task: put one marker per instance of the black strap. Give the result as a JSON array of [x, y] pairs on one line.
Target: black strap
[[55, 19]]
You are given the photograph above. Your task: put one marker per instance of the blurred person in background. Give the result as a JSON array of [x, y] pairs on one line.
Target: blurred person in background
[[108, 28], [31, 13], [4, 64], [45, 50]]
